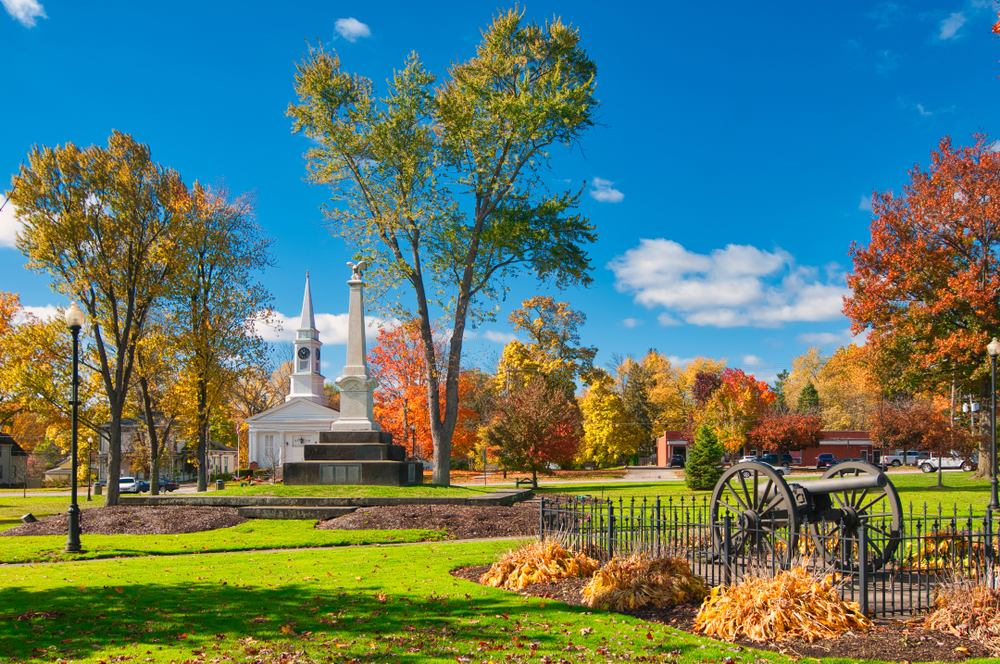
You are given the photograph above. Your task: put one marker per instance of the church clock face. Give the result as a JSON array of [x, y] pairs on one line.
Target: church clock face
[[303, 353]]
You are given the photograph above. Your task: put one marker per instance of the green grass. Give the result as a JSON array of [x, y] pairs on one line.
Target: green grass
[[253, 535], [13, 507], [351, 491], [916, 488], [386, 604]]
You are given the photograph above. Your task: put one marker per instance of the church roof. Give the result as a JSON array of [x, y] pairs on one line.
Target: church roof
[[297, 409], [307, 321]]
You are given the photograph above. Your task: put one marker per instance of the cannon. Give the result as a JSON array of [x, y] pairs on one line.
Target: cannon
[[767, 514]]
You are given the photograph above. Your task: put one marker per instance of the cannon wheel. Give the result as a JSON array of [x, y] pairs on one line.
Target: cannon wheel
[[762, 509], [879, 511]]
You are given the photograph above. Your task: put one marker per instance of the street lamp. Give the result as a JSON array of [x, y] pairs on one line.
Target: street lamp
[[75, 318], [993, 349], [90, 464]]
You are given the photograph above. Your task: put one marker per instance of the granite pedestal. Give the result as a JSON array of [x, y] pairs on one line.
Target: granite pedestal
[[354, 457]]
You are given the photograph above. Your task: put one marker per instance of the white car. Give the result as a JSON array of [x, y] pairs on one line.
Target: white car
[[781, 470], [949, 461], [128, 485], [747, 458]]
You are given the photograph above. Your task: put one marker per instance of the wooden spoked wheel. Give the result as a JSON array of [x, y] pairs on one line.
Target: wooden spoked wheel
[[878, 510], [762, 510]]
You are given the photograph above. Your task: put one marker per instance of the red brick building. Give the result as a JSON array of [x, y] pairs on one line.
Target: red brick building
[[841, 444]]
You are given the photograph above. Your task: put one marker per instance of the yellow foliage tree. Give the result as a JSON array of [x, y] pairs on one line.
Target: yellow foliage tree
[[672, 393], [608, 432], [805, 370], [849, 393]]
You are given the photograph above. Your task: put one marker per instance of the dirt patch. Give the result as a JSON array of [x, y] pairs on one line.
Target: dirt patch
[[888, 640], [459, 521], [134, 521]]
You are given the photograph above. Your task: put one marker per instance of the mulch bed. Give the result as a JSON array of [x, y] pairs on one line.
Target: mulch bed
[[134, 521], [888, 640], [459, 521]]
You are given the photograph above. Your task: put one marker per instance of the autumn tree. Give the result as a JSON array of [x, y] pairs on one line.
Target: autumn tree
[[217, 304], [927, 285], [783, 432], [440, 186], [672, 390], [808, 401], [806, 369], [609, 431], [397, 363], [10, 306], [101, 223], [735, 407], [849, 393], [532, 426], [553, 350]]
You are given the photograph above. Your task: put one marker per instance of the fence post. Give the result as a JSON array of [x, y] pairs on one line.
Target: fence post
[[727, 536], [863, 568], [541, 521], [611, 529]]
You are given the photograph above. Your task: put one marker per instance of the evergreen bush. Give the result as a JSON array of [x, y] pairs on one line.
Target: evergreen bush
[[704, 460]]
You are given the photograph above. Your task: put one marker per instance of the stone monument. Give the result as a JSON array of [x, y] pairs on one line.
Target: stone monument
[[355, 450]]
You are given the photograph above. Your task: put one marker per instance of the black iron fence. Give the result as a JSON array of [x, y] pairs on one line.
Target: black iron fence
[[900, 572]]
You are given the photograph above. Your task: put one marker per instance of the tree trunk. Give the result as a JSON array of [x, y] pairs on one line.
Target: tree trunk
[[154, 457], [202, 436], [115, 455]]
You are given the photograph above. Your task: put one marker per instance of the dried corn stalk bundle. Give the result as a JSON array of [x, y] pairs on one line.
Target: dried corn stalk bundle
[[537, 562], [640, 579], [968, 611], [791, 604]]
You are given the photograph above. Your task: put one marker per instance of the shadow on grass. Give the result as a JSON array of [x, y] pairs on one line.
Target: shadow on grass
[[360, 623]]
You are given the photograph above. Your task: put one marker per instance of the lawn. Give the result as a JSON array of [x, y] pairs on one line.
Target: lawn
[[917, 488], [256, 534], [13, 507], [350, 491], [384, 604]]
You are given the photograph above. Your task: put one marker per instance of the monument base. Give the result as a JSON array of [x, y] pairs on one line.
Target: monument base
[[354, 457]]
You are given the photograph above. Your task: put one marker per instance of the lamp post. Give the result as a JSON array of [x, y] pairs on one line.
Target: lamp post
[[75, 319], [90, 464], [993, 349]]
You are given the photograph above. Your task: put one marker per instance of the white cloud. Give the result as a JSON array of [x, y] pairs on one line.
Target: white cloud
[[951, 25], [886, 61], [499, 337], [44, 313], [632, 322], [666, 320], [752, 361], [833, 338], [332, 328], [603, 192], [24, 11], [352, 29], [739, 285], [866, 203], [9, 224], [924, 112]]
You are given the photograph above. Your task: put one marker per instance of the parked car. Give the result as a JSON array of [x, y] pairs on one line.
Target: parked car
[[128, 485], [168, 485], [786, 460], [912, 458], [880, 465], [947, 462], [825, 461], [676, 461], [781, 470], [143, 486], [749, 457]]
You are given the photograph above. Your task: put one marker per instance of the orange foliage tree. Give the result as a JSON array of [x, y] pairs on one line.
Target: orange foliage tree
[[734, 404], [397, 362], [780, 433]]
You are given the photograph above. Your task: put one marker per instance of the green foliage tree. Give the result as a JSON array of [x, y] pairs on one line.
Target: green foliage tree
[[808, 399], [102, 224], [703, 467], [485, 131]]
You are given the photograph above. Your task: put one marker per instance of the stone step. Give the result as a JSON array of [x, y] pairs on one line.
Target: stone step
[[319, 513]]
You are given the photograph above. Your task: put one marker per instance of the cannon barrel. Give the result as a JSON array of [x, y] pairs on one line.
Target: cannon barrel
[[830, 485], [849, 483]]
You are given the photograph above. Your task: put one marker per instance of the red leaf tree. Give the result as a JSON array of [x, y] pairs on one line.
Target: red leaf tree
[[781, 433], [397, 362], [533, 426]]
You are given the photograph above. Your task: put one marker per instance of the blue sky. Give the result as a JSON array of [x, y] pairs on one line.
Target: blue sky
[[737, 147]]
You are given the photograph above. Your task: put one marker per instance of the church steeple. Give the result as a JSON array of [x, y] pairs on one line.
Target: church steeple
[[307, 381]]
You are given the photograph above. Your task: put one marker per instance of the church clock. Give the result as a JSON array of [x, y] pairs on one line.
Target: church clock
[[303, 353]]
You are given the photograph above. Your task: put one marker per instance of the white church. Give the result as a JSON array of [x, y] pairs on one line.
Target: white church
[[276, 436]]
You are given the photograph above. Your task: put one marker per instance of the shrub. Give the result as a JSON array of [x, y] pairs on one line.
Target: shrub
[[791, 604], [704, 460], [538, 562], [969, 611], [640, 579]]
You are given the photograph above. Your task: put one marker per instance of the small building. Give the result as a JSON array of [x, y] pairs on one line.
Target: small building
[[841, 444], [221, 458], [277, 436], [59, 473], [13, 462]]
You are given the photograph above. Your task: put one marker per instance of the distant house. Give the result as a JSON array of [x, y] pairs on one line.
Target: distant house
[[13, 462], [842, 444], [221, 458], [61, 472], [173, 463]]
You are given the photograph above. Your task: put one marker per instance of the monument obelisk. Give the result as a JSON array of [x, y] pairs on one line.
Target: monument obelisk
[[355, 450]]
